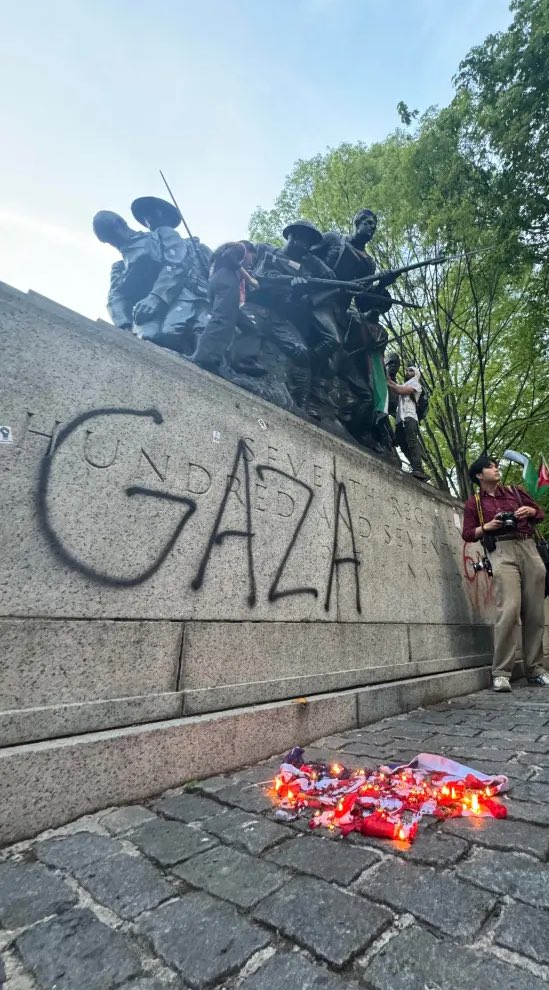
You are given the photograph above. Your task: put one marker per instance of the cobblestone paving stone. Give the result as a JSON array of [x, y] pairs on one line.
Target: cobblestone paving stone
[[202, 888]]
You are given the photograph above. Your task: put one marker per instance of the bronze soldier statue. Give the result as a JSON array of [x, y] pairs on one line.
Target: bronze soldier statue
[[304, 316], [191, 310], [363, 393], [145, 283]]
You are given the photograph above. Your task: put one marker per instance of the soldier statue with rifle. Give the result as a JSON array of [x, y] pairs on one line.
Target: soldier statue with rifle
[[362, 386], [305, 333], [297, 287]]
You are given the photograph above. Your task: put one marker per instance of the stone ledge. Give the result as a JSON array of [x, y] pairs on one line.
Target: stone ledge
[[47, 784], [34, 724]]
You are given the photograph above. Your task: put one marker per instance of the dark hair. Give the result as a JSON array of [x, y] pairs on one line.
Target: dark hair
[[484, 461], [232, 252], [364, 213]]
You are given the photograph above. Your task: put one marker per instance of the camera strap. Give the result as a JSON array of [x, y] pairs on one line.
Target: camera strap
[[479, 509], [488, 540]]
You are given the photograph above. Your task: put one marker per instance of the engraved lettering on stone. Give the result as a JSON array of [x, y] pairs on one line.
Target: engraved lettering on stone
[[394, 502], [259, 503], [233, 484], [159, 472], [285, 504], [295, 471], [365, 527], [51, 436], [109, 458], [199, 479]]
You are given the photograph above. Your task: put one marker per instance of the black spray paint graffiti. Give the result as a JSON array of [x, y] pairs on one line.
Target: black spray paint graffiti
[[338, 561], [57, 544], [274, 593], [217, 536], [241, 477]]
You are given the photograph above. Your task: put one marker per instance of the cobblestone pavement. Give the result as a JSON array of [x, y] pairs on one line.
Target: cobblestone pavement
[[201, 887]]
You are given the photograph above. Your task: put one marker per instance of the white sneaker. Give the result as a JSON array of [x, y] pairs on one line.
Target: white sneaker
[[542, 680], [501, 684]]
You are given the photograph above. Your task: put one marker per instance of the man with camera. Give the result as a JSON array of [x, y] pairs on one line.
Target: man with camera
[[503, 518]]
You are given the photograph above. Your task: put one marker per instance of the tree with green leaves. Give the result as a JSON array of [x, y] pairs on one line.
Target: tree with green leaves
[[506, 84], [480, 335]]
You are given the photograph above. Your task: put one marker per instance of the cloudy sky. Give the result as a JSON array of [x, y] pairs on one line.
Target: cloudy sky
[[222, 95]]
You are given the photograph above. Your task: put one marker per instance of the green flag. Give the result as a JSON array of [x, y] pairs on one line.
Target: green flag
[[530, 477], [379, 383]]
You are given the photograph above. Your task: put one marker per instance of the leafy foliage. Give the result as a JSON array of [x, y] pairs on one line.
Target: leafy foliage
[[446, 183], [507, 82]]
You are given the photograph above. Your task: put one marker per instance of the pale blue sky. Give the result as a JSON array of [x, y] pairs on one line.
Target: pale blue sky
[[224, 96]]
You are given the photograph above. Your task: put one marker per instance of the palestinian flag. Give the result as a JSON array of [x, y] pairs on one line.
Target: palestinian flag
[[379, 383], [543, 474], [536, 477]]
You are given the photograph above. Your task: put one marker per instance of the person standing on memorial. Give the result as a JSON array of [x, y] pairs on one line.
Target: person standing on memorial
[[407, 422], [517, 568]]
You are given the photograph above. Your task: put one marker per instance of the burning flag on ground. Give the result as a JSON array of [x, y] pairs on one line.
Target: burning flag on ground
[[387, 802]]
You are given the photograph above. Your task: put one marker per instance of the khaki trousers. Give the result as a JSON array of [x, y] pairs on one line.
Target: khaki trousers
[[519, 585]]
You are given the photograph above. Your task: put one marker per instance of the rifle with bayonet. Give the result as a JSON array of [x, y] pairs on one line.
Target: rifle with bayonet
[[361, 285], [391, 275], [355, 287]]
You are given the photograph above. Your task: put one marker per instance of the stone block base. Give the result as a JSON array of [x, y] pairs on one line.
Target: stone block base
[[47, 784]]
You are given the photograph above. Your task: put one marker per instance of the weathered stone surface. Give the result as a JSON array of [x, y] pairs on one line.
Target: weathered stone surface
[[188, 807], [128, 885], [416, 960], [542, 760], [245, 830], [245, 796], [119, 482], [71, 851], [542, 777], [527, 811], [539, 793], [336, 862], [430, 847], [232, 875], [170, 842], [179, 440], [478, 757], [508, 873], [47, 662], [502, 834], [33, 724], [284, 971], [154, 983], [179, 931], [288, 660], [331, 923], [123, 819], [77, 951], [508, 737], [431, 642], [47, 784], [390, 699], [438, 899], [524, 930], [28, 892]]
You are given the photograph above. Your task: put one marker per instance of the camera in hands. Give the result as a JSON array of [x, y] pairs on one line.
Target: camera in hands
[[509, 521]]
